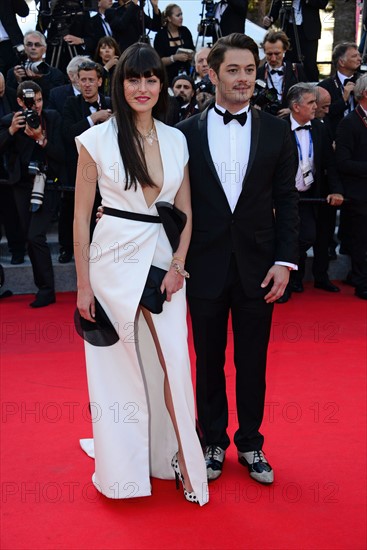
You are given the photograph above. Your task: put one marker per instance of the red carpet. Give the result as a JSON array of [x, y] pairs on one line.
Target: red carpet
[[314, 427]]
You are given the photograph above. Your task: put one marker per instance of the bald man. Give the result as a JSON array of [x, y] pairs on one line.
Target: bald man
[[323, 99]]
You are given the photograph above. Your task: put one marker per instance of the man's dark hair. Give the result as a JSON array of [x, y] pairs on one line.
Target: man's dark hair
[[274, 36], [340, 50], [234, 41], [91, 66], [138, 60], [28, 85]]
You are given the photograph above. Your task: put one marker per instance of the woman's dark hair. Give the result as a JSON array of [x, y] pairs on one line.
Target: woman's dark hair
[[106, 41], [139, 60], [236, 41]]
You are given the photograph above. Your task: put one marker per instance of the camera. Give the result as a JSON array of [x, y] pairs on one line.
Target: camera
[[265, 98], [205, 85], [38, 170], [36, 67], [206, 26], [62, 15], [31, 116]]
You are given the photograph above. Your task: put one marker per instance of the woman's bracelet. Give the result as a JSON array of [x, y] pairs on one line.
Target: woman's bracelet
[[180, 270], [177, 259], [172, 59]]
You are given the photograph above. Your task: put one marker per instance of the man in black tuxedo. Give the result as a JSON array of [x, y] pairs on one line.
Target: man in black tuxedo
[[100, 24], [230, 16], [314, 156], [278, 73], [23, 144], [129, 21], [80, 113], [59, 95], [351, 147], [308, 25], [244, 241], [346, 60], [10, 33]]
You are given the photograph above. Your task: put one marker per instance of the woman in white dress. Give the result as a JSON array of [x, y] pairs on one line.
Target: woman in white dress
[[140, 388]]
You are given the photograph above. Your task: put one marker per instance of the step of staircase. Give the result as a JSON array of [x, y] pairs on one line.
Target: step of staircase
[[19, 278]]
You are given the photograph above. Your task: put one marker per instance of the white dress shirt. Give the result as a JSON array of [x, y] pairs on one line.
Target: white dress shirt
[[351, 103], [229, 146], [305, 154]]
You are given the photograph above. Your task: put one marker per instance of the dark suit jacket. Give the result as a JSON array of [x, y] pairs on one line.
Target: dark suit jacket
[[126, 24], [8, 11], [293, 73], [46, 82], [351, 147], [97, 30], [255, 235], [19, 148], [74, 123], [326, 179], [58, 97], [234, 17], [338, 105], [311, 17]]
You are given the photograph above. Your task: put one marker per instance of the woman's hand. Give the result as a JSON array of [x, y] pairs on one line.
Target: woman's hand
[[86, 304], [111, 62], [171, 283], [182, 57]]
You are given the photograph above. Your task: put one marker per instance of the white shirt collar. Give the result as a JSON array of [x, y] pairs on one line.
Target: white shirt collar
[[295, 124], [243, 110]]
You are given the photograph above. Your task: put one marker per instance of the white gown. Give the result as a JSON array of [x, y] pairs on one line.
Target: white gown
[[132, 431]]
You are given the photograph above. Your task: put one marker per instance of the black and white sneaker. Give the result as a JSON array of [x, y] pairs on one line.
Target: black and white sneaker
[[214, 458], [257, 465]]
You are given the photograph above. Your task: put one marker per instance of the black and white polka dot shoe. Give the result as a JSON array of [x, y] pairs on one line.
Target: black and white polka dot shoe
[[189, 496]]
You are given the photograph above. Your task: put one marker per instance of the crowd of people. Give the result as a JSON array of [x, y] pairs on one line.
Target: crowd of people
[[259, 161]]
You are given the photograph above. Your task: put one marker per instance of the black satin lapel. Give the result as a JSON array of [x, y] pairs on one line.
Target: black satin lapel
[[203, 133], [255, 133]]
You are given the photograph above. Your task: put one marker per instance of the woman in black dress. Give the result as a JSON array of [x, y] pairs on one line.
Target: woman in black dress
[[107, 54], [172, 36]]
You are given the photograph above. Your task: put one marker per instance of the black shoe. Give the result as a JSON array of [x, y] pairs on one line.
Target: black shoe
[[65, 257], [286, 296], [17, 259], [43, 300], [296, 286], [214, 458], [326, 285], [257, 465], [361, 293]]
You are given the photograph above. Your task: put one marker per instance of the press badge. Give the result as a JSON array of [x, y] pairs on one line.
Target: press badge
[[307, 175]]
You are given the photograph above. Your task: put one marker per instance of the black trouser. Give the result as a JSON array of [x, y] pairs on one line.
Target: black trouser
[[308, 50], [325, 227], [10, 219], [251, 322], [35, 225], [307, 237], [356, 215]]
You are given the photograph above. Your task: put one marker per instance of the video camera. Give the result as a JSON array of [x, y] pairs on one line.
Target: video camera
[[265, 98], [36, 67], [30, 114], [206, 26]]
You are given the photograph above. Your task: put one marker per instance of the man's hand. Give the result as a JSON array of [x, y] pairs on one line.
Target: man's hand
[[283, 112], [335, 199], [267, 21], [18, 122], [348, 88], [280, 276], [101, 116], [34, 133], [73, 40], [19, 73]]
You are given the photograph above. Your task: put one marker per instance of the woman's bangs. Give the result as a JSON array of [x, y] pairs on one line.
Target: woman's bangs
[[143, 62]]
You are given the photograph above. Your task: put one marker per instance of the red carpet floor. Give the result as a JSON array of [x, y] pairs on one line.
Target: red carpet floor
[[314, 426]]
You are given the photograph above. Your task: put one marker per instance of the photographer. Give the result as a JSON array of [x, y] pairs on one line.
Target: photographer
[[279, 75], [32, 67], [129, 21], [31, 141], [230, 16]]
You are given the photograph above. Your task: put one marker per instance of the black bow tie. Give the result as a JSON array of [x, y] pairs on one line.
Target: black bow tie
[[95, 104], [276, 71], [227, 117], [349, 80], [306, 127]]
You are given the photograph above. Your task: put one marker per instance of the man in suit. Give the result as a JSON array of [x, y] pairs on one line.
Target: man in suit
[[8, 212], [314, 155], [100, 24], [10, 33], [23, 144], [183, 88], [278, 73], [244, 241], [305, 13], [230, 16], [351, 147], [35, 48], [59, 95], [346, 60], [129, 21], [80, 113]]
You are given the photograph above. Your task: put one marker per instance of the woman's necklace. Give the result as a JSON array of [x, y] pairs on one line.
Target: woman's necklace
[[150, 137]]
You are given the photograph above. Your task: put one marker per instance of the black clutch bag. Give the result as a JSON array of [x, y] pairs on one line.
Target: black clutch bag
[[100, 333], [152, 298]]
